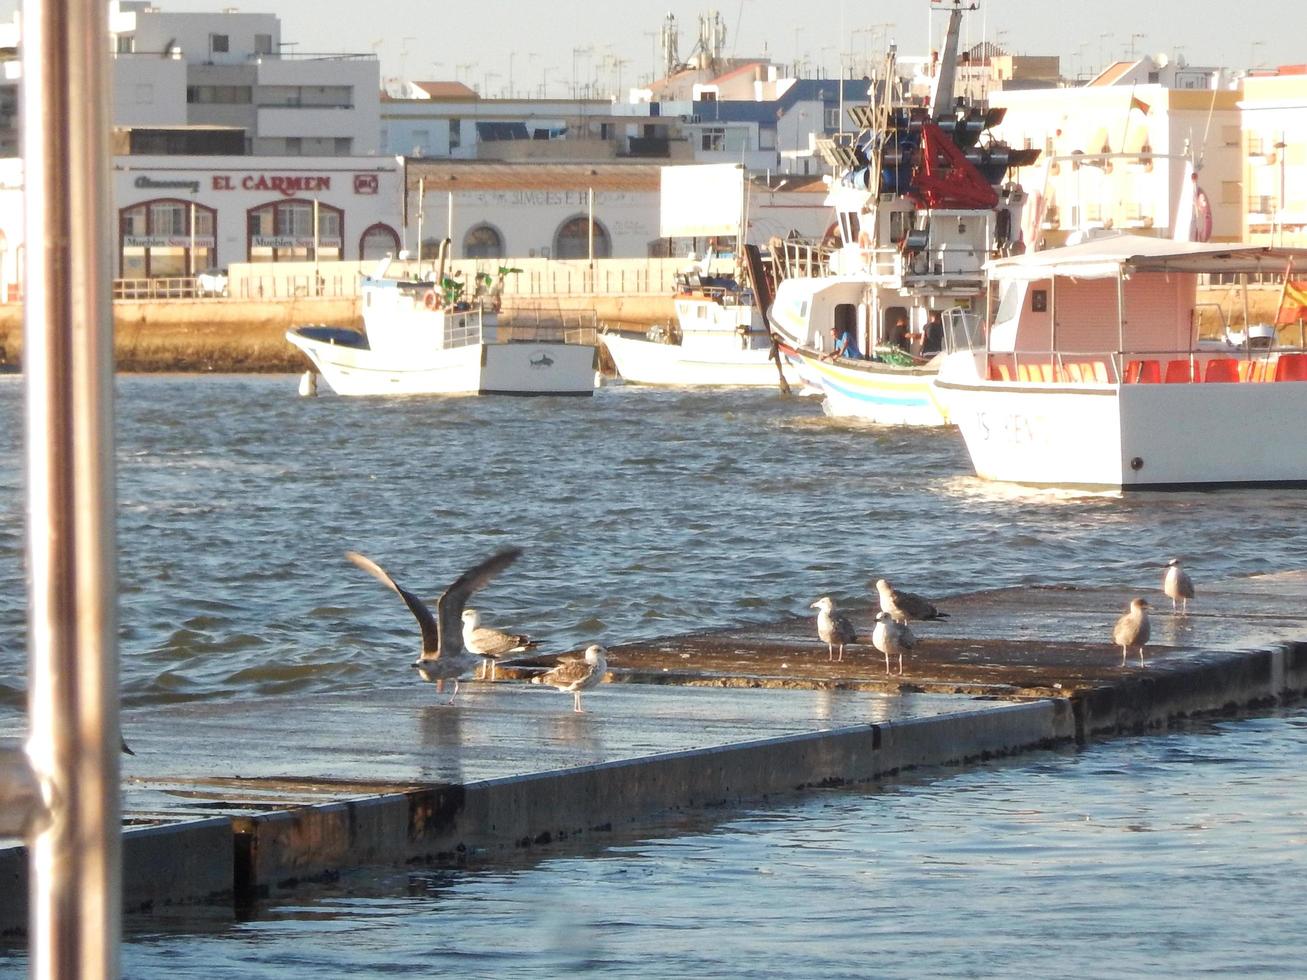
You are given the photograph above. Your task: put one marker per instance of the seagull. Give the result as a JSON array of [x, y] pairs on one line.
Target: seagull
[[892, 637], [443, 654], [833, 628], [1132, 629], [577, 675], [1177, 584], [904, 606], [491, 644]]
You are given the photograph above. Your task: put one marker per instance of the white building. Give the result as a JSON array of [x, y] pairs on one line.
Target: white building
[[227, 83]]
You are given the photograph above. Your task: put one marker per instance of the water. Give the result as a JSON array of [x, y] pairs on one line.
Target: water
[[1175, 855], [643, 513]]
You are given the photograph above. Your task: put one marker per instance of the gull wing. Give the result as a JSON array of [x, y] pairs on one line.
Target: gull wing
[[449, 607], [430, 632]]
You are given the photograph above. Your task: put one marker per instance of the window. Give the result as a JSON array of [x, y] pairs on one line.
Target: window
[[832, 118], [483, 242], [294, 146], [766, 138], [155, 239], [377, 242], [219, 94], [343, 145], [455, 133], [218, 43], [125, 43], [263, 44], [283, 231], [712, 138], [573, 240]]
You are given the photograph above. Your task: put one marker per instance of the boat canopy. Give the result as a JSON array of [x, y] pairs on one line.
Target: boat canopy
[[1108, 257]]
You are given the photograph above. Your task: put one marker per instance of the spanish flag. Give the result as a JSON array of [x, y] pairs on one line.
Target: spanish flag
[[1293, 303], [1138, 103]]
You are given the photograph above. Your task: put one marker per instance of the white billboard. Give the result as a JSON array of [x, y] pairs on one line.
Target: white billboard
[[701, 200]]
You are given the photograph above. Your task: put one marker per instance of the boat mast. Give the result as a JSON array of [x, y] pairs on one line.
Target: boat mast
[[941, 98]]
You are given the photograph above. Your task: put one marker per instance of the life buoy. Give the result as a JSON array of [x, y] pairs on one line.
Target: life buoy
[[431, 299]]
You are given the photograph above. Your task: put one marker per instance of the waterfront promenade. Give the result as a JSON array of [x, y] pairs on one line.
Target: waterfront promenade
[[244, 799]]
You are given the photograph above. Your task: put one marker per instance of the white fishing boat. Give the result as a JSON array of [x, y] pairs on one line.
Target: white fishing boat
[[1092, 374], [719, 336], [718, 339], [921, 202], [419, 338]]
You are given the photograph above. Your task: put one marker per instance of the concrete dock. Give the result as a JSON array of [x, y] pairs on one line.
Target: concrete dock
[[237, 800]]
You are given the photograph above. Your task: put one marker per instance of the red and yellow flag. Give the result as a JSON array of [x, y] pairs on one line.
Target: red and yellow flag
[[1138, 103], [1293, 303]]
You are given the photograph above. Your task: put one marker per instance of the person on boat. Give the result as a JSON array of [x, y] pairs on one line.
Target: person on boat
[[846, 344], [898, 334], [933, 341]]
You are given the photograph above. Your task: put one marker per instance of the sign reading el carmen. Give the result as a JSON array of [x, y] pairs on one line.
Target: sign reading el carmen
[[287, 185]]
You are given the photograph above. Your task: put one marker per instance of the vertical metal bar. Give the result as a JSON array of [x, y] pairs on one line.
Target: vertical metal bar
[[68, 364]]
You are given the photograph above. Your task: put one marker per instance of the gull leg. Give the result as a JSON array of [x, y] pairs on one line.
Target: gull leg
[[1123, 653], [494, 669], [841, 656], [900, 661], [455, 694], [576, 702], [887, 662]]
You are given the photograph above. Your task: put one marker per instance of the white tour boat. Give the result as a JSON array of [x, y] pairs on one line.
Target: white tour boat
[[418, 340], [1092, 375], [921, 203]]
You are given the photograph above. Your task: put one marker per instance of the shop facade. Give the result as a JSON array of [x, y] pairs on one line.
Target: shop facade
[[180, 216]]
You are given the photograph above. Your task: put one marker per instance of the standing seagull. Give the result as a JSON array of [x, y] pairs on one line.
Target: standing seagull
[[1132, 629], [489, 643], [443, 654], [892, 637], [575, 676], [905, 605], [1177, 584], [833, 628]]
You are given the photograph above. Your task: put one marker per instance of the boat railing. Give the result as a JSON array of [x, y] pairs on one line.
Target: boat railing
[[549, 326], [1152, 366], [803, 257]]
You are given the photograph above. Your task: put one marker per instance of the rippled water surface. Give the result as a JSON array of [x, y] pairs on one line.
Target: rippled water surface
[[643, 512], [1169, 855], [649, 512]]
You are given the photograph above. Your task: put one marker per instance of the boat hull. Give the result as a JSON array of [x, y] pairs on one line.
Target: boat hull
[[1133, 436], [517, 368], [652, 363], [876, 392]]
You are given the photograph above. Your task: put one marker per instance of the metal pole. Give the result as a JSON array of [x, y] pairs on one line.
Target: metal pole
[[75, 870], [590, 226], [191, 253], [315, 246], [422, 187]]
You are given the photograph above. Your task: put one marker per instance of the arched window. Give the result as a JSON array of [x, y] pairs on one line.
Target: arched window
[[165, 237], [377, 242], [573, 240], [483, 242], [283, 231]]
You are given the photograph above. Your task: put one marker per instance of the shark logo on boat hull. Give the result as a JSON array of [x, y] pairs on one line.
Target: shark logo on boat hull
[[543, 361]]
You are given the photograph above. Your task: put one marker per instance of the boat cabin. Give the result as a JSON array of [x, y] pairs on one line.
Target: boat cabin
[[1125, 309]]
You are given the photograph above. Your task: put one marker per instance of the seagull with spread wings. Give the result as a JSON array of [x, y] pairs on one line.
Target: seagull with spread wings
[[444, 656]]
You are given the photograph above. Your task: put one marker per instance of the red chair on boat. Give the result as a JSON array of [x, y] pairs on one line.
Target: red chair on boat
[[1291, 367], [1143, 373], [1178, 372], [1222, 369]]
